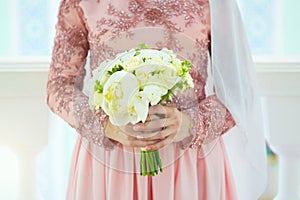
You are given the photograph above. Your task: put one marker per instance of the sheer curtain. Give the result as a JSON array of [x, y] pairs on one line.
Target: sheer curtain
[[53, 162], [262, 20]]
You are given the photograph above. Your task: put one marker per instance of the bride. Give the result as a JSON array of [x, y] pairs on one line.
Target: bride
[[211, 140]]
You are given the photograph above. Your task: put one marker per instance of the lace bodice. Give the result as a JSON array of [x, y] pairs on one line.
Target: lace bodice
[[84, 27]]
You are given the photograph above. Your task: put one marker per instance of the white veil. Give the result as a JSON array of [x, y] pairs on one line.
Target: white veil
[[234, 75]]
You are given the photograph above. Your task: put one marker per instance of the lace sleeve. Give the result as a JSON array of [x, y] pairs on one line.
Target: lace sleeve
[[64, 91], [211, 120], [209, 117]]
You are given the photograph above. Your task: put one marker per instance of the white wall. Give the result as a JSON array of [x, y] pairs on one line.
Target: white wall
[[24, 116]]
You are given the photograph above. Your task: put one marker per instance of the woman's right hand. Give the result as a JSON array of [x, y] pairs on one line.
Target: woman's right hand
[[125, 135]]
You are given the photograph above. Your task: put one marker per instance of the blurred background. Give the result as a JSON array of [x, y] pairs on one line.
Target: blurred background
[[35, 146]]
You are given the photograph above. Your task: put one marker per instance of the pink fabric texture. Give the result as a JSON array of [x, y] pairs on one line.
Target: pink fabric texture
[[82, 28], [189, 177]]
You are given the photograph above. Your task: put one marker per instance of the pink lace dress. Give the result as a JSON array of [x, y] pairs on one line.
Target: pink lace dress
[[100, 166]]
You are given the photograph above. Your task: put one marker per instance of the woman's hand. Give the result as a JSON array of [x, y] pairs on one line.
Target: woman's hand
[[164, 125], [171, 125], [126, 135]]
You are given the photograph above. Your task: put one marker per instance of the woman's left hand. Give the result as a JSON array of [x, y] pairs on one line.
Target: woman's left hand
[[171, 125]]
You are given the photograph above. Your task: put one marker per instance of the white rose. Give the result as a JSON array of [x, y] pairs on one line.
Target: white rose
[[96, 100], [189, 80], [132, 63], [163, 76], [154, 93], [168, 77], [144, 72], [167, 51]]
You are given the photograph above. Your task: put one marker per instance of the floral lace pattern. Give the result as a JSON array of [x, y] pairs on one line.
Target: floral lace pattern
[[151, 13], [172, 15], [65, 78], [84, 26]]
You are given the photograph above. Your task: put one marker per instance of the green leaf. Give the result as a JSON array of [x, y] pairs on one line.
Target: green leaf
[[116, 68], [98, 87], [186, 67], [142, 46], [137, 53]]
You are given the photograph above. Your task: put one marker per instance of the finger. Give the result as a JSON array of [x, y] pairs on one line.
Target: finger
[[159, 110], [161, 144], [133, 142], [128, 130], [163, 133], [148, 119], [165, 111], [154, 125], [151, 117], [128, 140]]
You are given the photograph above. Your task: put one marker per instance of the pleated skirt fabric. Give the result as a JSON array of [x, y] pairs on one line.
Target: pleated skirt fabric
[[189, 177]]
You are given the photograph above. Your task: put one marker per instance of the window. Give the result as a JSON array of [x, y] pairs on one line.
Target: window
[[29, 26]]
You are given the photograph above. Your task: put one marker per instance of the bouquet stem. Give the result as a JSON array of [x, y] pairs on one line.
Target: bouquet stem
[[150, 163]]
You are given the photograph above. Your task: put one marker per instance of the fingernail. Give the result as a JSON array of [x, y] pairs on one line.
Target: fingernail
[[148, 148], [139, 137]]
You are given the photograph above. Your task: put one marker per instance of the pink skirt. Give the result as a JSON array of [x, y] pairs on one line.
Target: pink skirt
[[189, 177]]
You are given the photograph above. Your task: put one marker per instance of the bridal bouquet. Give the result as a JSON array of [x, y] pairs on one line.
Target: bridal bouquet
[[127, 85]]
